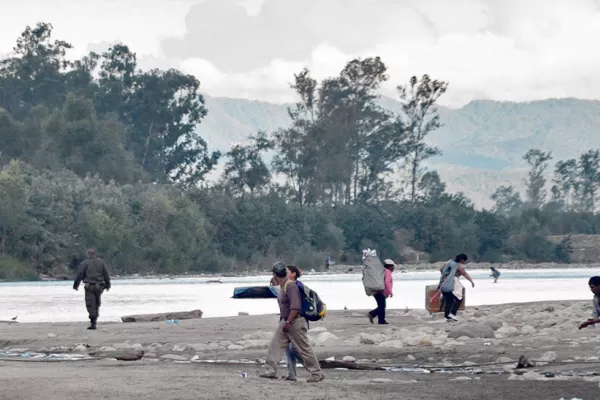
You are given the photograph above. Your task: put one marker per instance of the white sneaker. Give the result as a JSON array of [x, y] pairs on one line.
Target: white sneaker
[[452, 317]]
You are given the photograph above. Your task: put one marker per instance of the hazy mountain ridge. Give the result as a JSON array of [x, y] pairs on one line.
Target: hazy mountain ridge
[[482, 142]]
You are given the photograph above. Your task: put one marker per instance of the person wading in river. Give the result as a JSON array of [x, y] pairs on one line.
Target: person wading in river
[[292, 328], [94, 274]]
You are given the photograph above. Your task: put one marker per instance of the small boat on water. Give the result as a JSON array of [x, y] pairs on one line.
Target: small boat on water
[[256, 292], [214, 281]]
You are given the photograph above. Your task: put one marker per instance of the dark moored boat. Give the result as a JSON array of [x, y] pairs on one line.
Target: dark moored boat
[[256, 292]]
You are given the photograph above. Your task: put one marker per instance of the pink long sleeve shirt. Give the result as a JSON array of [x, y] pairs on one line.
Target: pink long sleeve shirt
[[388, 283]]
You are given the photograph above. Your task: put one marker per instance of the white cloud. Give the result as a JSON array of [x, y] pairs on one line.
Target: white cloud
[[503, 50], [509, 50]]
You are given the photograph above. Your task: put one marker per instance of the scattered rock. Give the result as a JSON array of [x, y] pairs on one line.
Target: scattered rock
[[507, 331], [549, 374], [410, 357], [81, 347], [319, 329], [461, 378], [493, 323], [349, 359], [173, 357], [381, 380], [323, 338], [137, 346], [528, 330], [254, 344], [121, 346], [504, 360], [18, 350], [235, 347], [181, 347], [52, 335], [258, 335], [397, 344], [548, 356], [533, 376], [242, 314], [472, 331], [548, 309], [367, 338]]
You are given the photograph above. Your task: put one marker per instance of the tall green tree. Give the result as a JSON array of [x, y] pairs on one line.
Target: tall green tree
[[342, 146], [245, 169], [565, 182], [508, 201], [420, 118], [35, 73], [589, 180], [536, 179]]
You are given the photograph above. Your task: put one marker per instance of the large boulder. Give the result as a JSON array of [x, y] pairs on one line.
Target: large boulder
[[472, 331], [324, 338]]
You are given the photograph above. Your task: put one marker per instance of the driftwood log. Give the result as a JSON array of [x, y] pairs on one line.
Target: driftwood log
[[328, 364], [194, 314], [121, 355], [8, 322]]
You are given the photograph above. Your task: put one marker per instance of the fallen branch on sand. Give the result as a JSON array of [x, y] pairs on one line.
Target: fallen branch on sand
[[330, 364], [121, 355], [194, 314]]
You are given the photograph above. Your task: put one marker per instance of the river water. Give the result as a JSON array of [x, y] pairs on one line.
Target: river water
[[58, 302]]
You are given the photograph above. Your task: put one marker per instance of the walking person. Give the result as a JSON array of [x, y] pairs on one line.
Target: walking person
[[381, 297], [292, 328], [291, 354], [446, 285], [495, 274], [94, 274]]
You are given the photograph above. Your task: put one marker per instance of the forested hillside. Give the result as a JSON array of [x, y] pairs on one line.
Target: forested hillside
[[98, 153], [482, 143]]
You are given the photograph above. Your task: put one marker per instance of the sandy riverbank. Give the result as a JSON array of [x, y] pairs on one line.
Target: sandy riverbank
[[172, 367]]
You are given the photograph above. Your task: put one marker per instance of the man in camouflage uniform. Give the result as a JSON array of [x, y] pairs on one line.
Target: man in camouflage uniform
[[94, 274]]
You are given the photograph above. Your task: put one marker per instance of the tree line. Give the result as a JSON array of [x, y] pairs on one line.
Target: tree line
[[98, 153]]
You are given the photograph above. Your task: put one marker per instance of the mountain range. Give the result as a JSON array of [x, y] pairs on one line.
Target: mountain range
[[482, 143]]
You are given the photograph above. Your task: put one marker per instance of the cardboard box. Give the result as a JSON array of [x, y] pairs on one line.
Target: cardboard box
[[437, 305]]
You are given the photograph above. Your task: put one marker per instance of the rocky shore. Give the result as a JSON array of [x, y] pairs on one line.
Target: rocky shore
[[416, 350]]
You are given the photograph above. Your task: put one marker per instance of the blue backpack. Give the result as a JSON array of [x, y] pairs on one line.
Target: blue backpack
[[313, 309]]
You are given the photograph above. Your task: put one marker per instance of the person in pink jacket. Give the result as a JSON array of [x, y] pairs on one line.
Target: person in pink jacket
[[381, 297]]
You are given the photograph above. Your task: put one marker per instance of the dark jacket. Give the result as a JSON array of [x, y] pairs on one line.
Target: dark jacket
[[92, 270]]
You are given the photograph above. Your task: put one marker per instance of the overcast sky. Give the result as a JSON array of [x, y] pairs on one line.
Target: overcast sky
[[496, 49]]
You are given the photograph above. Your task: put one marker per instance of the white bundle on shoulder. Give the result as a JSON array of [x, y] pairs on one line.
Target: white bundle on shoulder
[[369, 253]]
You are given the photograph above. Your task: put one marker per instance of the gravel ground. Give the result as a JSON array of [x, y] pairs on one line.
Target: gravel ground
[[543, 332]]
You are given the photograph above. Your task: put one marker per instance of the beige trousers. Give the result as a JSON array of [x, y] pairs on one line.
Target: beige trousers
[[298, 336]]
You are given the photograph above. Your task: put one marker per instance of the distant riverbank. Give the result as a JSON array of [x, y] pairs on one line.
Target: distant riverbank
[[341, 269]]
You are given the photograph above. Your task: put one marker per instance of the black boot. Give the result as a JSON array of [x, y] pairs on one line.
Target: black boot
[[92, 324]]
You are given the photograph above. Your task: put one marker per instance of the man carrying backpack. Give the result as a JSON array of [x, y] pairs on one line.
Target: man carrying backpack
[[292, 328]]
